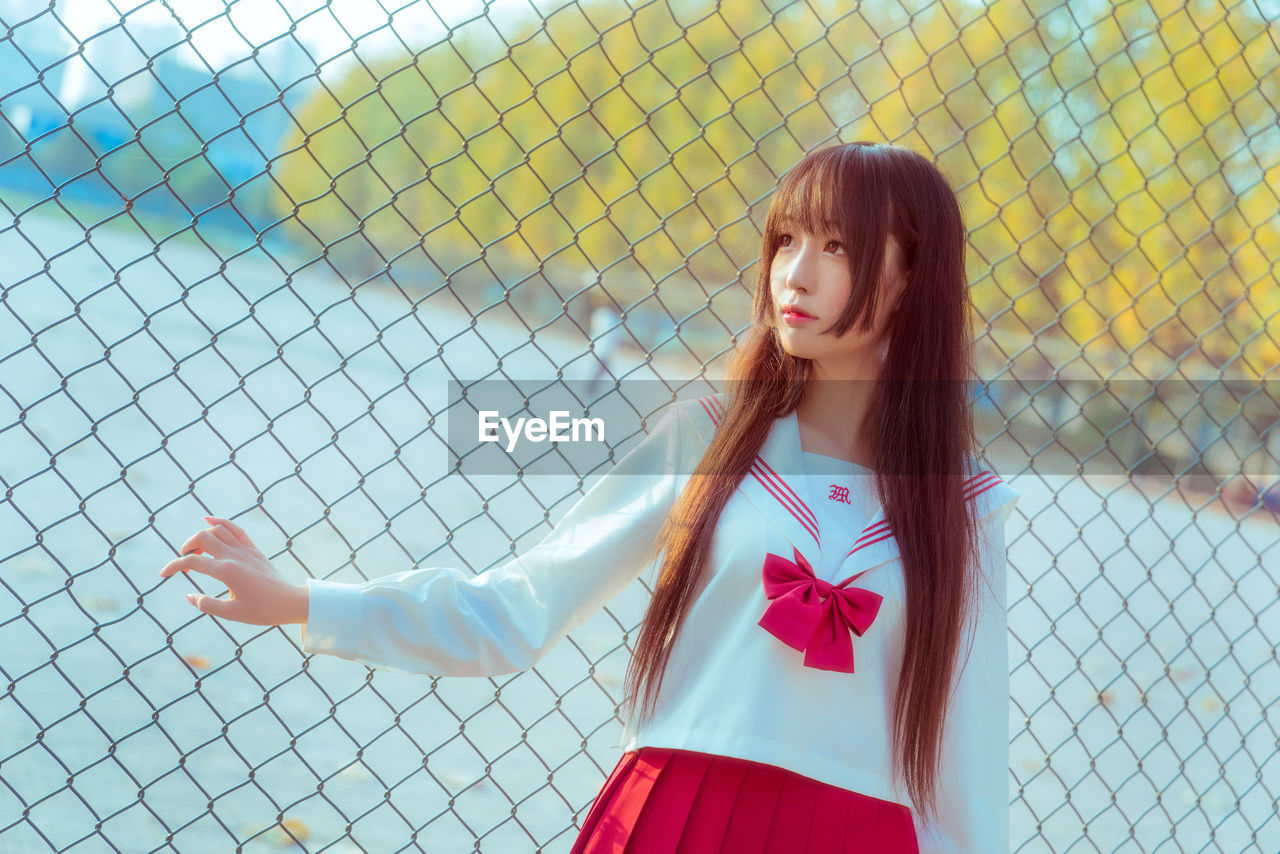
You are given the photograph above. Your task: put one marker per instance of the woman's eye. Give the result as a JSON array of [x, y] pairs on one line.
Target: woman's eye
[[785, 239]]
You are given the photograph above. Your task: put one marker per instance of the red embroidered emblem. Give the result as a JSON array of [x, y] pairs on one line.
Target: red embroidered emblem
[[840, 493]]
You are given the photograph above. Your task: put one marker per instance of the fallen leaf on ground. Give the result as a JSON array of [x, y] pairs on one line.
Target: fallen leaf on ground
[[296, 826]]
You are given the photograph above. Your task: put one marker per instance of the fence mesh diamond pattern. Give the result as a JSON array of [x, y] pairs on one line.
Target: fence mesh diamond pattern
[[249, 245]]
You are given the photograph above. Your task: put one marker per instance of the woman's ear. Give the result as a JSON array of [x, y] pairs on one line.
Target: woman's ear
[[900, 288]]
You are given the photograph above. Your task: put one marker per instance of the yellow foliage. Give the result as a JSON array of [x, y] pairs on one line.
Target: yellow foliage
[[1099, 155]]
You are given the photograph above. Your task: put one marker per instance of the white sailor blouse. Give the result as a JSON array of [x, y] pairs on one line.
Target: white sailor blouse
[[775, 663]]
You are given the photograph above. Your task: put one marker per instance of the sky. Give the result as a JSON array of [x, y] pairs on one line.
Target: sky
[[224, 32], [211, 35]]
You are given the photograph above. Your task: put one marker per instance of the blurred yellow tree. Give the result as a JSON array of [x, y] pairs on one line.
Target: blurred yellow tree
[[1117, 210]]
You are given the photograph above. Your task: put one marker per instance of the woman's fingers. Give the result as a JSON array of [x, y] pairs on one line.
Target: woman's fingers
[[212, 605], [215, 539], [206, 542], [235, 529], [207, 564], [224, 534]]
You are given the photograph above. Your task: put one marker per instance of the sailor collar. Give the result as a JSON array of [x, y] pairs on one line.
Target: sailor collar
[[785, 497]]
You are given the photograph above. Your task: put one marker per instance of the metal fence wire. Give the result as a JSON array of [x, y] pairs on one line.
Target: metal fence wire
[[251, 242]]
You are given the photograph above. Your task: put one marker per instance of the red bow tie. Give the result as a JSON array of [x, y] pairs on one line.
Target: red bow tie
[[815, 616]]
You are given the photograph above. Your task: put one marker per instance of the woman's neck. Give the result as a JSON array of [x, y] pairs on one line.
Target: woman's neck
[[832, 411]]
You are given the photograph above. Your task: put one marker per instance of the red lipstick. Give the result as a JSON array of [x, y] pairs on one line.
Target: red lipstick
[[794, 316]]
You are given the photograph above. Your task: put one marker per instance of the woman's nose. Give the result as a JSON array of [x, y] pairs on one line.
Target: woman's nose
[[800, 274]]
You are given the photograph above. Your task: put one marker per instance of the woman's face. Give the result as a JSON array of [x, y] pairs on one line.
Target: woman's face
[[810, 273]]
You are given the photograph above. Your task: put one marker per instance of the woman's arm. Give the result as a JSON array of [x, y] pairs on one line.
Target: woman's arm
[[974, 771], [445, 621]]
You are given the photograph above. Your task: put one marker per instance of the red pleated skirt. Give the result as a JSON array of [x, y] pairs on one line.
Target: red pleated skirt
[[664, 801]]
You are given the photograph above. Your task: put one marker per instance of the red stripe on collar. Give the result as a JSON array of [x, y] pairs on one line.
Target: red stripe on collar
[[973, 487], [871, 535], [772, 482], [786, 496]]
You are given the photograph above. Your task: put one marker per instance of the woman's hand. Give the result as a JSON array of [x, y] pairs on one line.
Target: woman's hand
[[259, 594]]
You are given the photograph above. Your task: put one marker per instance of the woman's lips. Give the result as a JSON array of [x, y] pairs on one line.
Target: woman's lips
[[795, 317]]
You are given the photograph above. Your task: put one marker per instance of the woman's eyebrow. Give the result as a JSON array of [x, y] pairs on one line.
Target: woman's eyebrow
[[786, 224]]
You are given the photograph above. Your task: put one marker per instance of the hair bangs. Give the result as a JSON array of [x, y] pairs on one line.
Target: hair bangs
[[808, 196]]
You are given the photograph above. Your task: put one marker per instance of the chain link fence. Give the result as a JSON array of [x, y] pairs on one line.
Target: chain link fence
[[249, 245]]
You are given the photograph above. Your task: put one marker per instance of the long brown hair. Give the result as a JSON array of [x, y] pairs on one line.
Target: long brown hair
[[919, 423]]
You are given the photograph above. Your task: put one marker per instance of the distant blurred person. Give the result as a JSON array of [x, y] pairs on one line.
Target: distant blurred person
[[607, 332]]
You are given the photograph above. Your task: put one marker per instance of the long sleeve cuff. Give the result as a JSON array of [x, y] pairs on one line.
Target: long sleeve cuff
[[334, 616]]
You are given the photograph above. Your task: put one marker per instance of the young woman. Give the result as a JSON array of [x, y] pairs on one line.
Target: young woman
[[827, 505]]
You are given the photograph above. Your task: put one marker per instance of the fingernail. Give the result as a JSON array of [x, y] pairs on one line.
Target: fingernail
[[191, 598]]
